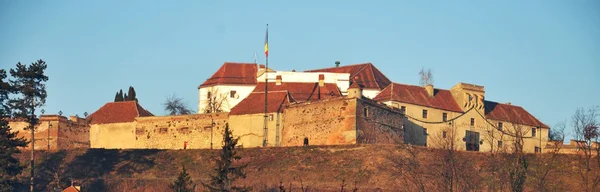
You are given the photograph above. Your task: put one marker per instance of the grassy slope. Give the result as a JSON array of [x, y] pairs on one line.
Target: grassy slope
[[318, 168]]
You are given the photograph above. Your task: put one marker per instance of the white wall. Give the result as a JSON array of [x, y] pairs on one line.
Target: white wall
[[342, 80], [370, 93], [242, 91]]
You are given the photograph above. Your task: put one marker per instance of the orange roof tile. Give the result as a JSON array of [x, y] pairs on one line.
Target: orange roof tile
[[510, 113], [365, 74], [255, 103], [233, 74], [417, 95], [118, 112], [71, 189], [302, 91]]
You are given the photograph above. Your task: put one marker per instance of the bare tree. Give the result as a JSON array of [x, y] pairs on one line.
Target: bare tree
[[426, 77], [585, 125], [408, 166], [517, 162], [548, 163], [175, 106], [216, 101], [456, 170]]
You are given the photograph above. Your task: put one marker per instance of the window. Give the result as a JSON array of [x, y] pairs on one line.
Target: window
[[139, 131], [424, 114], [365, 112], [271, 117], [499, 144], [500, 126], [444, 134], [208, 94], [444, 117], [472, 122], [403, 108], [232, 94], [533, 132], [537, 149], [163, 130]]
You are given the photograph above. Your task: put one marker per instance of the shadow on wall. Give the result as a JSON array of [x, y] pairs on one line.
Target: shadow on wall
[[414, 134]]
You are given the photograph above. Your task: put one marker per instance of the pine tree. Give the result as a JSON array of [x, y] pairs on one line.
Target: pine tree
[[9, 143], [183, 183], [125, 97], [29, 91], [226, 173], [131, 94], [117, 97]]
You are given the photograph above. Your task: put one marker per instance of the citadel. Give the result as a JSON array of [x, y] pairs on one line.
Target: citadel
[[341, 105]]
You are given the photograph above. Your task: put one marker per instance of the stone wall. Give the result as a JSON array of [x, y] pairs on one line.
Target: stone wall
[[378, 124], [330, 122], [172, 132], [55, 132], [250, 129], [113, 135]]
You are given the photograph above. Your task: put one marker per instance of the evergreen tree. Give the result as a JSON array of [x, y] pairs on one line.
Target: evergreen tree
[[125, 97], [9, 143], [117, 97], [225, 172], [29, 91], [183, 183], [131, 94]]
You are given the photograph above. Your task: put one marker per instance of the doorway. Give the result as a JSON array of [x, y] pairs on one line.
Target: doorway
[[472, 140]]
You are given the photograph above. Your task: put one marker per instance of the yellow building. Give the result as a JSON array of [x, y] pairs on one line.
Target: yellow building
[[462, 115]]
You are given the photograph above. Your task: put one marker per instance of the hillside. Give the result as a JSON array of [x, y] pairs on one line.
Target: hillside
[[368, 167]]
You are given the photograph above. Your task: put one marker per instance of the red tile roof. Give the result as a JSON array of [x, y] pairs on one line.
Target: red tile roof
[[118, 112], [303, 91], [510, 113], [255, 103], [417, 95], [365, 74], [71, 189], [233, 74]]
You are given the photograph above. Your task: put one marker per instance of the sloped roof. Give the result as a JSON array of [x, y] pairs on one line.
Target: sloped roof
[[417, 95], [255, 103], [365, 74], [71, 189], [302, 91], [510, 113], [233, 74], [118, 112]]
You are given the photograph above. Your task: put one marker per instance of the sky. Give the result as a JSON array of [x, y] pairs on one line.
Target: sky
[[543, 55]]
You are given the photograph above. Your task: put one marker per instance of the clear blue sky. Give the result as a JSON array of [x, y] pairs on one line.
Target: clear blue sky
[[543, 55]]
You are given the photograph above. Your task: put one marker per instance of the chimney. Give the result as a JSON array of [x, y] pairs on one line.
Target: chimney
[[321, 80], [429, 89], [278, 80], [337, 63]]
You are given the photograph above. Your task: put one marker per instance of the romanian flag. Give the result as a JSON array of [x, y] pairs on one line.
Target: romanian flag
[[267, 42]]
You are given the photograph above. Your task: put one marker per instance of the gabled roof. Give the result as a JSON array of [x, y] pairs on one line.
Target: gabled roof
[[255, 103], [417, 95], [302, 91], [233, 74], [71, 189], [118, 112], [510, 113], [365, 74]]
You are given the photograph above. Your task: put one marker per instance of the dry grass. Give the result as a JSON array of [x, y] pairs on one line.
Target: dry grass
[[369, 167]]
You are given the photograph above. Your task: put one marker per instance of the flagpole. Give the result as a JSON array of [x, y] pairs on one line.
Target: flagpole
[[265, 136]]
